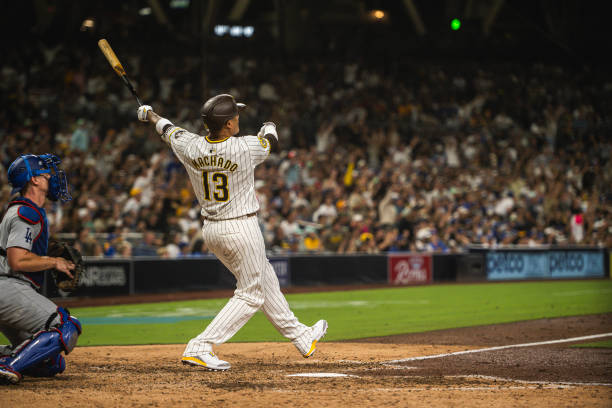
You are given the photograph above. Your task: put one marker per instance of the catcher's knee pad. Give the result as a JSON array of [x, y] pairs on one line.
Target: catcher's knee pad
[[47, 344], [70, 329]]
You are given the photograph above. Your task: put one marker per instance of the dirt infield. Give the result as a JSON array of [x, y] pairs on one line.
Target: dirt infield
[[549, 375]]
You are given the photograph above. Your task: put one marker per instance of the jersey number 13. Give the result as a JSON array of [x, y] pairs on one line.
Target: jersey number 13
[[219, 185]]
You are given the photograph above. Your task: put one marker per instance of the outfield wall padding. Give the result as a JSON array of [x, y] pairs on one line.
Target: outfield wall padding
[[141, 275]]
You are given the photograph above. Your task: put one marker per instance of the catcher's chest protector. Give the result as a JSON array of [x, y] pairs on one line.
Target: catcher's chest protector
[[34, 215]]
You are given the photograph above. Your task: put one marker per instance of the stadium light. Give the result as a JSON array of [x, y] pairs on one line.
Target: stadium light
[[248, 31], [179, 4], [378, 14], [88, 24], [455, 24], [234, 31], [221, 30]]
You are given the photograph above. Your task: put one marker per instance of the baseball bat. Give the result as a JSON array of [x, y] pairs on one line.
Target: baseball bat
[[117, 67]]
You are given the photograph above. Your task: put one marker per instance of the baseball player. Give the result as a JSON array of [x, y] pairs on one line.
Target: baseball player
[[221, 169], [38, 329]]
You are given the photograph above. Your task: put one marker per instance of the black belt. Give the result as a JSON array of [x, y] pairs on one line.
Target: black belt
[[3, 252], [235, 218]]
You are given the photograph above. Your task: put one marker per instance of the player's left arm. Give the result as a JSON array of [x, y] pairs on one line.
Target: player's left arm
[[261, 145], [268, 131]]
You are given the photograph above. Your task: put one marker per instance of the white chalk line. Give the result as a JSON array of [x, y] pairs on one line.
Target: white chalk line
[[388, 367], [543, 383], [384, 365], [398, 367], [484, 388], [539, 343], [428, 389], [322, 375], [525, 384]]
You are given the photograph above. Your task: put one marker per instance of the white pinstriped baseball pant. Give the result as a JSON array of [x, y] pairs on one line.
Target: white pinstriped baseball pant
[[239, 245]]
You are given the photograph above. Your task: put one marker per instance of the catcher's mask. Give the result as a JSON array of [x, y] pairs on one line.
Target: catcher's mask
[[218, 110], [27, 166]]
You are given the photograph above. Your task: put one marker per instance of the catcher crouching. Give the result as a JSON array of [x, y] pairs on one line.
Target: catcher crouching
[[39, 330]]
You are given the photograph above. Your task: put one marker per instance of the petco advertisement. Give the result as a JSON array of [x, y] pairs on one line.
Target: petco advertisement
[[576, 264], [518, 265], [409, 269]]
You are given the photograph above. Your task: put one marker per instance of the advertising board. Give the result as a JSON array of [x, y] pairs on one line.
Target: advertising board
[[101, 278], [409, 269], [281, 267], [520, 265]]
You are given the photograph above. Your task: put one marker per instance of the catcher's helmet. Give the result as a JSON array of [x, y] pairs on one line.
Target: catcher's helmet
[[218, 110], [27, 166]]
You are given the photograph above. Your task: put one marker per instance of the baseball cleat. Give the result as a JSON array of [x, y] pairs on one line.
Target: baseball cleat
[[8, 375], [318, 331], [207, 360]]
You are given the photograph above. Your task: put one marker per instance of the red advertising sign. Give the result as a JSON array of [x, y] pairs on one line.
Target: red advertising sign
[[409, 269]]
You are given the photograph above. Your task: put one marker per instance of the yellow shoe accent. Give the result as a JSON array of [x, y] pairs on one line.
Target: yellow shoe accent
[[312, 349], [207, 360], [193, 361]]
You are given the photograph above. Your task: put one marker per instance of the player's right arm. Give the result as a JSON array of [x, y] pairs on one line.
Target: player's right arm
[[22, 260], [19, 255], [174, 136], [162, 125]]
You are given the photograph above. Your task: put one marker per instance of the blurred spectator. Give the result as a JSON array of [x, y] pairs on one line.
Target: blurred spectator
[[173, 246], [326, 209], [87, 244], [290, 226], [79, 141], [436, 244], [198, 248], [146, 247], [312, 242], [424, 157]]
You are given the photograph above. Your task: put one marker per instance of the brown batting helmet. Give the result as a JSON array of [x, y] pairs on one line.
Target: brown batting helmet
[[218, 110]]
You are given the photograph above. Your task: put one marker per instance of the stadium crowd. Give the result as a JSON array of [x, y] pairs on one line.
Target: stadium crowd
[[415, 157]]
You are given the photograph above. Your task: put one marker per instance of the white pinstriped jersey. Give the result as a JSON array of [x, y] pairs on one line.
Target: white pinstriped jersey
[[222, 172]]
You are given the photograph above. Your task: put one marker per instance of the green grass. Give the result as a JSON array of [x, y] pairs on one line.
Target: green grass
[[355, 314], [597, 344]]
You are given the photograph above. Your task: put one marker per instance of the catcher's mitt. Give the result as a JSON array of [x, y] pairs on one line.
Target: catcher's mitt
[[63, 250]]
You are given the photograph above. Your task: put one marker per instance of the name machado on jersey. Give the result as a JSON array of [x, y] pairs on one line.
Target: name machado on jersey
[[214, 161]]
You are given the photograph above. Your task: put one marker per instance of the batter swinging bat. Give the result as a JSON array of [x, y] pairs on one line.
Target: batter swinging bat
[[116, 65]]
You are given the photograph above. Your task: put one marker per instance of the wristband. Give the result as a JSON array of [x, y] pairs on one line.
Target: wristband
[[161, 124]]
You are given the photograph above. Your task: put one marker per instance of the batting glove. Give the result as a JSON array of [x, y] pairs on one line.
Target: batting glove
[[268, 128], [142, 112]]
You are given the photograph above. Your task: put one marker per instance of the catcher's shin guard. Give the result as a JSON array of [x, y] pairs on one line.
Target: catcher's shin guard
[[46, 345], [47, 368]]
